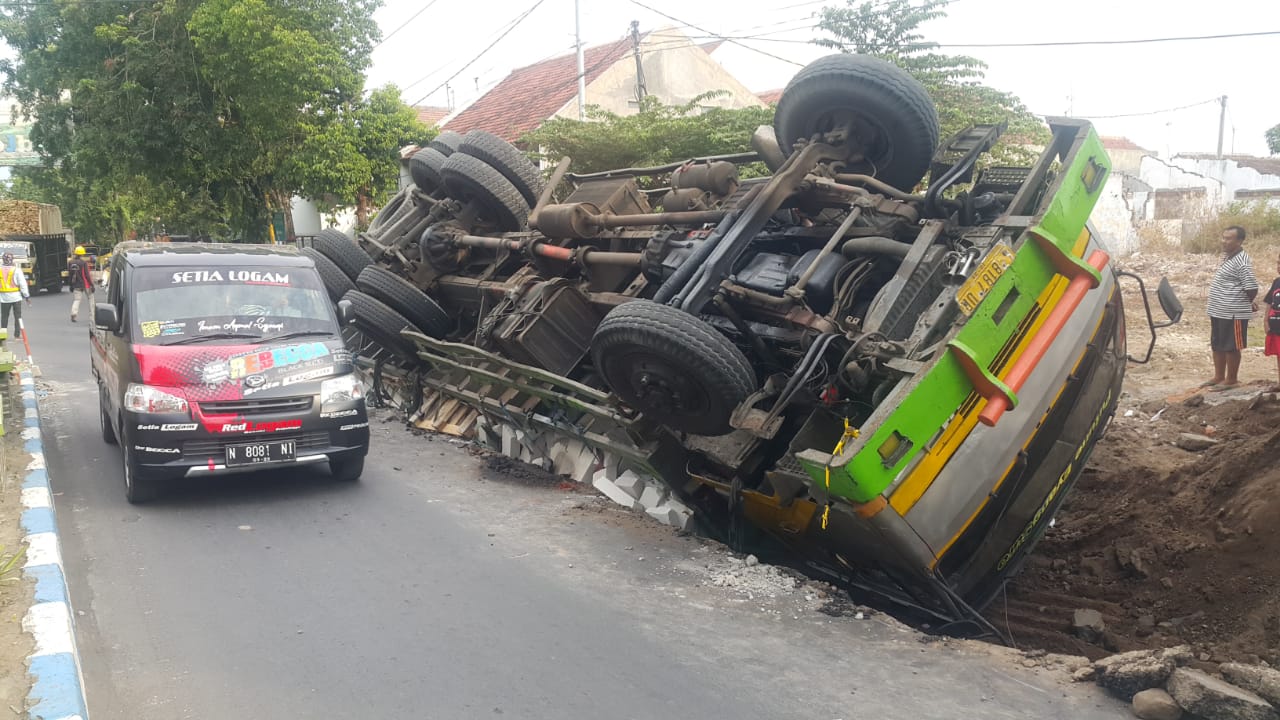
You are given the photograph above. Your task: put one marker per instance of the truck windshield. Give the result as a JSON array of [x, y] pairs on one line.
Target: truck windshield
[[19, 250], [173, 305]]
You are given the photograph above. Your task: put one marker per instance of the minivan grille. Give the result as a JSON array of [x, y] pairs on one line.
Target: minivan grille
[[200, 449], [258, 407]]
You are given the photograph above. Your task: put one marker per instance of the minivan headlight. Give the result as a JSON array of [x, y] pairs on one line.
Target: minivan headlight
[[146, 399], [340, 390]]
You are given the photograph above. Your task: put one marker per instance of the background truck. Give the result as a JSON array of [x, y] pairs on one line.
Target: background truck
[[33, 232]]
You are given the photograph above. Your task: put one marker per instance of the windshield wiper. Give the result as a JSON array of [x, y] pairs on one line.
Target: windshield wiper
[[212, 336], [300, 333]]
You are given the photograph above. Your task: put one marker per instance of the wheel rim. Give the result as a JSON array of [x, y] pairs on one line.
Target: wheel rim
[[128, 472], [864, 135], [659, 387]]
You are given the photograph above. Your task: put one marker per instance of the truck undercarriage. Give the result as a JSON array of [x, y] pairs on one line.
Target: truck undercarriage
[[897, 387]]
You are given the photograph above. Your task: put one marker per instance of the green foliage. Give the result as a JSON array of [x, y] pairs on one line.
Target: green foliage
[[1273, 140], [1261, 223], [658, 134], [10, 563], [353, 159], [187, 110], [891, 31]]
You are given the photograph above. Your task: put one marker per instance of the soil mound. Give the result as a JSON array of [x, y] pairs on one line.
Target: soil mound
[[1171, 546]]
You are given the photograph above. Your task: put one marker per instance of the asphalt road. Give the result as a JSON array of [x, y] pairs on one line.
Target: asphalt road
[[434, 588]]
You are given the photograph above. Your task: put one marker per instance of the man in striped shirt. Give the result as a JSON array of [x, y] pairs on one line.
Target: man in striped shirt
[[1232, 301]]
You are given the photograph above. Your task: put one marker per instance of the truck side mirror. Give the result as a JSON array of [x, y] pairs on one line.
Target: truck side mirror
[[105, 317], [346, 312]]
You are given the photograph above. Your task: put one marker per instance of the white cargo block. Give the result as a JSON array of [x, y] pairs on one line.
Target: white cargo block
[[510, 444], [653, 495], [668, 514], [611, 491], [574, 459], [631, 483]]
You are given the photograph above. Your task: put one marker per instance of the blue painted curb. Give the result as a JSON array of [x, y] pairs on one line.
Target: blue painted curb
[[58, 690]]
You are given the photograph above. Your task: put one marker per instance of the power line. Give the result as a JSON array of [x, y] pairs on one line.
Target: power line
[[732, 40], [1064, 43], [514, 24], [403, 24], [1140, 114]]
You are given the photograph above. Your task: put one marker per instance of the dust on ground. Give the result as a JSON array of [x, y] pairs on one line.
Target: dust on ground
[[15, 593], [1172, 546]]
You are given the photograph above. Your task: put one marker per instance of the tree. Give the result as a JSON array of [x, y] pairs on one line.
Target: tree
[[658, 134], [353, 160], [891, 31], [194, 104], [1273, 140]]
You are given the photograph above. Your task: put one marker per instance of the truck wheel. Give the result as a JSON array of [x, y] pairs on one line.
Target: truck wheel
[[506, 159], [348, 470], [671, 366], [108, 434], [392, 207], [468, 178], [888, 115], [425, 166], [405, 298], [137, 489], [446, 143], [383, 325], [343, 251], [336, 282]]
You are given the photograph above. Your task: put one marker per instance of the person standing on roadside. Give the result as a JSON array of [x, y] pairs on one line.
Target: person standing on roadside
[[13, 291], [78, 269], [1232, 301]]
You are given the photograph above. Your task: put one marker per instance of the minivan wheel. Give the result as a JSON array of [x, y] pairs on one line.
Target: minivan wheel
[[108, 434], [137, 489], [348, 470]]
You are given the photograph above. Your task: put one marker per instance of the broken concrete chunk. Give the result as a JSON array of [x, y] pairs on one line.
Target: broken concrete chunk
[[1194, 442], [1088, 625], [630, 483], [1214, 699], [1262, 681], [1128, 674], [1156, 704], [611, 491], [669, 515], [653, 495], [1084, 674]]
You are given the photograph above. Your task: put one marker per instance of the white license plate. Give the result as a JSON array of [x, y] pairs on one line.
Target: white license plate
[[262, 452]]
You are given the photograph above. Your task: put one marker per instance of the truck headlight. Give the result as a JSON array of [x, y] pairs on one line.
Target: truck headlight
[[339, 391], [146, 399]]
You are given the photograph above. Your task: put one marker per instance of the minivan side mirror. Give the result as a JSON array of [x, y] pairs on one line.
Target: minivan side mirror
[[105, 317], [346, 312]]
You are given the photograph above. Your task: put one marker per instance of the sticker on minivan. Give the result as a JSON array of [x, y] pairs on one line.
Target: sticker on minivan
[[248, 277], [256, 362]]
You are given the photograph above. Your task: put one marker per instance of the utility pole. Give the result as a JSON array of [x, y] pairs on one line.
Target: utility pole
[[641, 90], [1222, 123], [582, 71]]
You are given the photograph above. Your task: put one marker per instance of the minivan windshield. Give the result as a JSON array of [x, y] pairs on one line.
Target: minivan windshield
[[247, 303]]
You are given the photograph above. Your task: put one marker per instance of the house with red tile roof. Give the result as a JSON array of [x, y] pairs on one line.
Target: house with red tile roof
[[675, 70], [431, 115]]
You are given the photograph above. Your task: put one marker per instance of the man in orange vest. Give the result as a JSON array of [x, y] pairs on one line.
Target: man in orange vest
[[13, 290], [78, 269]]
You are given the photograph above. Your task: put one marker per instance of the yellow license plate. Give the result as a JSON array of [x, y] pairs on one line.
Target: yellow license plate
[[984, 278]]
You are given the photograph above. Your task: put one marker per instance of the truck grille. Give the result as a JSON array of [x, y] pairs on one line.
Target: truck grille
[[201, 449], [264, 406]]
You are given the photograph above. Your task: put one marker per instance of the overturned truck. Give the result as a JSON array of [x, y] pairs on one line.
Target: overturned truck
[[899, 387]]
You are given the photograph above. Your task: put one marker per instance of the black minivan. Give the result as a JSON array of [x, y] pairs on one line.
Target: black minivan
[[220, 358]]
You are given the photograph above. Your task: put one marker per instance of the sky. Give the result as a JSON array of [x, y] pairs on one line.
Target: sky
[[428, 41]]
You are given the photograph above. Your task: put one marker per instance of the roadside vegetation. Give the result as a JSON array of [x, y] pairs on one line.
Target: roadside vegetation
[[1260, 221]]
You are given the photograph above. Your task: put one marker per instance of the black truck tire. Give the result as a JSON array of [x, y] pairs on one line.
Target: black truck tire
[[392, 207], [673, 367], [893, 118], [336, 282], [405, 298], [425, 166], [446, 143], [506, 159], [383, 325], [343, 251], [469, 178]]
